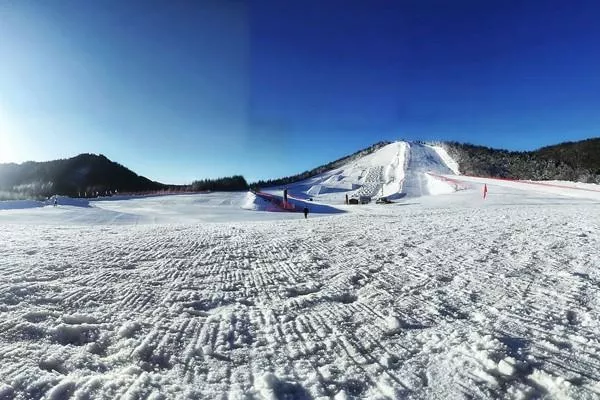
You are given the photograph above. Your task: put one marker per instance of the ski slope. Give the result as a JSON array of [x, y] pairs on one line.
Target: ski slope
[[422, 160], [434, 297], [395, 171]]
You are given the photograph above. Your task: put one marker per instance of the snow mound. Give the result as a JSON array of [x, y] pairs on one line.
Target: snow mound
[[274, 203], [255, 203], [393, 171]]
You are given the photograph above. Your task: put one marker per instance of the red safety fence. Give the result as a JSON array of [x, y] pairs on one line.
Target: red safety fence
[[277, 202], [458, 185]]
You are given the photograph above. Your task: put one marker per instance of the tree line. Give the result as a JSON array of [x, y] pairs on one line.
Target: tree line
[[579, 161], [226, 184]]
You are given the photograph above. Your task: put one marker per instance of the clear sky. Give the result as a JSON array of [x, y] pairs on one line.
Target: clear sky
[[179, 90]]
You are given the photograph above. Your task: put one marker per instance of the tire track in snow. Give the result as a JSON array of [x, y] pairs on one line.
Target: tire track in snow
[[324, 307]]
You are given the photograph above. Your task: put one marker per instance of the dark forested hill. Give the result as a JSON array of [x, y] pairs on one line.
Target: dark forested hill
[[582, 155], [86, 173], [573, 161]]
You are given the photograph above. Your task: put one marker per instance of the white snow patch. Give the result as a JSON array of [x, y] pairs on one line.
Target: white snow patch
[[507, 366], [449, 161], [393, 325], [437, 186], [128, 329], [63, 390], [557, 386]]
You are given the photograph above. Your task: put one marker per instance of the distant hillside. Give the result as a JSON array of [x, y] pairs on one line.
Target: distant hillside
[[321, 169], [584, 154], [77, 176], [572, 161]]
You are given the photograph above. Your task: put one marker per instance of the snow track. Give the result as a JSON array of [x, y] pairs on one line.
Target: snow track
[[437, 303], [421, 160]]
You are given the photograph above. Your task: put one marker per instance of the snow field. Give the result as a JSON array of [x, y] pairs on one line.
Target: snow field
[[173, 209], [543, 189], [401, 301]]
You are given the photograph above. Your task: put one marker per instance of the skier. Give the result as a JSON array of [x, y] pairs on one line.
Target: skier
[[55, 201], [305, 212]]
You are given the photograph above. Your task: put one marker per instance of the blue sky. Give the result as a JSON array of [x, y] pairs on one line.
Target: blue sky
[[179, 90]]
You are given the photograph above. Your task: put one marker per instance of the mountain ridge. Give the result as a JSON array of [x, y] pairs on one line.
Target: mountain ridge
[[88, 174]]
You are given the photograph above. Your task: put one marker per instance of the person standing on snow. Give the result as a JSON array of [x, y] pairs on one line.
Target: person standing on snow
[[305, 212]]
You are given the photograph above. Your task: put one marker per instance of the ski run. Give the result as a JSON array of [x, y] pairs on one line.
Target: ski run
[[433, 297]]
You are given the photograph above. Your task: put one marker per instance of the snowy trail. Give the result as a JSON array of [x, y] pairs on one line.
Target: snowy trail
[[451, 297], [421, 159]]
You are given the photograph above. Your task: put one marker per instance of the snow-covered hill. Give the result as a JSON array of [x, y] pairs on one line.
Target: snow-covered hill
[[397, 170]]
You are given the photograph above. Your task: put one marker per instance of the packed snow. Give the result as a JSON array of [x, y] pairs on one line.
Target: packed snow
[[439, 296], [448, 296]]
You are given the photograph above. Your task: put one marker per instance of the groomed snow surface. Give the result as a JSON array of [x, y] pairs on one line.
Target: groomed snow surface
[[435, 297]]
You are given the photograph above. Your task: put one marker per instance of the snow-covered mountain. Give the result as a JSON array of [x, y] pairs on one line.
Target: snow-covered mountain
[[399, 169]]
